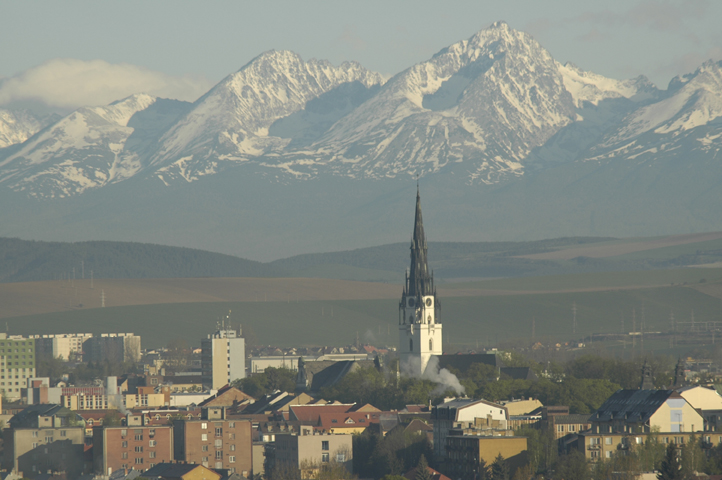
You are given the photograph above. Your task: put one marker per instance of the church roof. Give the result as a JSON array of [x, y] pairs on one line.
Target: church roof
[[420, 282], [463, 362]]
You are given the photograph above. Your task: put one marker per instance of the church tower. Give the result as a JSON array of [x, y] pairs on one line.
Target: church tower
[[419, 323]]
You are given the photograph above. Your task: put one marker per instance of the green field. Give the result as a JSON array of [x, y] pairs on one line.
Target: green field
[[468, 320], [646, 278]]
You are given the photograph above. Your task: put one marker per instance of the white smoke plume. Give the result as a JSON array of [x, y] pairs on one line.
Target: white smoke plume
[[441, 376]]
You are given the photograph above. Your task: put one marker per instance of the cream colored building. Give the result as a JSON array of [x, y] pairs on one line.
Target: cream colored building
[[62, 345], [112, 402], [310, 451], [223, 358]]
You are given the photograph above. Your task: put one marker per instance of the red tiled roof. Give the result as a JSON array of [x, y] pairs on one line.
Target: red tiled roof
[[347, 420]]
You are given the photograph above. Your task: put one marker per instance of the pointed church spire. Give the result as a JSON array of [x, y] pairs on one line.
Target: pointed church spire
[[419, 282]]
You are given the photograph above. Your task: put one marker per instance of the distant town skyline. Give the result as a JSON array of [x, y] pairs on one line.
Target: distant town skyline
[[81, 53]]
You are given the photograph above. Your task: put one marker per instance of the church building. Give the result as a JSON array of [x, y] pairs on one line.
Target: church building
[[419, 322]]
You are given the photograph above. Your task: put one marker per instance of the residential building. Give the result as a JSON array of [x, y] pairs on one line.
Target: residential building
[[558, 420], [44, 438], [226, 397], [112, 347], [62, 345], [463, 412], [707, 401], [309, 451], [181, 471], [464, 452], [116, 402], [523, 406], [640, 411], [135, 445], [629, 416], [223, 357], [17, 363], [214, 441], [420, 326]]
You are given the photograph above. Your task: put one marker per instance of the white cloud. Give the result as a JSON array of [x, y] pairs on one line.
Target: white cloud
[[69, 83]]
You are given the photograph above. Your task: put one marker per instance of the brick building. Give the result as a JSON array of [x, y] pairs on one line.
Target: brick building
[[135, 445], [215, 441]]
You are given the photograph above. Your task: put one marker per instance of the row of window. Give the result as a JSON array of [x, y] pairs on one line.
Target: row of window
[[151, 454], [219, 456], [151, 444], [219, 425]]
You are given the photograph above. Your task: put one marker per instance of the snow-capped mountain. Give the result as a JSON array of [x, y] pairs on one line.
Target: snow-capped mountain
[[482, 103], [16, 126], [231, 122], [487, 109], [90, 148], [683, 123]]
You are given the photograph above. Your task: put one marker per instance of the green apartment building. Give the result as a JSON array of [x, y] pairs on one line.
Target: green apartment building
[[17, 364]]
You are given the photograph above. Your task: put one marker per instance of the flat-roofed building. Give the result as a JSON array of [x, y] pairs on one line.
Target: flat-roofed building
[[464, 452], [135, 445], [17, 364], [460, 412], [223, 358], [309, 451], [215, 441]]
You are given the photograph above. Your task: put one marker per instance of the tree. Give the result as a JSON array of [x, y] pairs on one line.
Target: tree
[[112, 419], [572, 466], [499, 469], [670, 467], [178, 355], [422, 470]]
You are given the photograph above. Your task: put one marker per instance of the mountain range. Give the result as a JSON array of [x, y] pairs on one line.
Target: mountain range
[[288, 156]]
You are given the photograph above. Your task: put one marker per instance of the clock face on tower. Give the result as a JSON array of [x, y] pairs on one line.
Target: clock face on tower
[[428, 302]]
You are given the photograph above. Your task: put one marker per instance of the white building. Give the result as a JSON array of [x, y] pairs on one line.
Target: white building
[[223, 357], [17, 364], [419, 323], [461, 412]]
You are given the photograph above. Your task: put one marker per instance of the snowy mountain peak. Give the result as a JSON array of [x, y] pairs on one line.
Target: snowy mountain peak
[[585, 86]]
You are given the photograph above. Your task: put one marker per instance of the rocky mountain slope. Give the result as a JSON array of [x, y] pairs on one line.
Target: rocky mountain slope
[[503, 134]]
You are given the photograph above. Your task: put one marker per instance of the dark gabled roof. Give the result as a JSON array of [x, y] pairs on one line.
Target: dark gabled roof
[[519, 373], [28, 418], [463, 362], [332, 374], [634, 406], [573, 419]]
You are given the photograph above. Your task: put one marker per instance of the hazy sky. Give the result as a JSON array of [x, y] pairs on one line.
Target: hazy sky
[[77, 52]]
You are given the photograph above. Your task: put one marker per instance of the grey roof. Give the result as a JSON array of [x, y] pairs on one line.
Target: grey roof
[[28, 418], [635, 406], [333, 373]]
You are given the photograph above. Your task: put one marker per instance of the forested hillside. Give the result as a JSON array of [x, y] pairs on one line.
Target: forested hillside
[[24, 261]]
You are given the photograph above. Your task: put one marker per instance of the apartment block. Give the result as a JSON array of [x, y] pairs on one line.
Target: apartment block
[[215, 441], [44, 438], [135, 445], [223, 358], [112, 347], [63, 345], [17, 363], [310, 451]]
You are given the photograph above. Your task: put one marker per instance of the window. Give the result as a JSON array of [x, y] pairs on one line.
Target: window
[[431, 342], [219, 454], [204, 459], [219, 432], [324, 457], [608, 441], [594, 441], [608, 454], [231, 459], [151, 432], [324, 445], [638, 440], [123, 432], [204, 437], [125, 444], [594, 454], [204, 426], [139, 448], [35, 444], [560, 428], [219, 443], [35, 434], [231, 424], [151, 443], [139, 437], [48, 439], [340, 457], [205, 448], [232, 448], [232, 436], [151, 454], [138, 461], [124, 455]]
